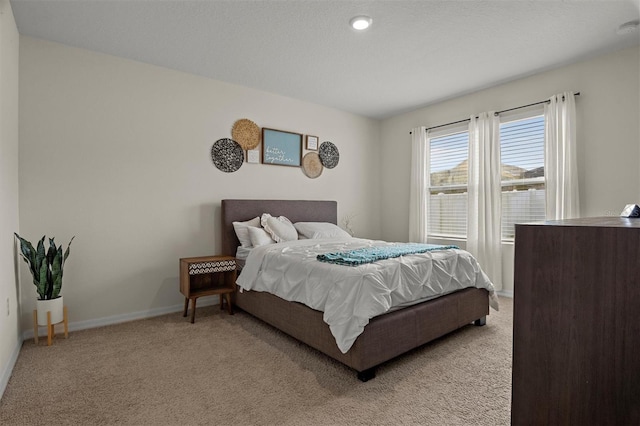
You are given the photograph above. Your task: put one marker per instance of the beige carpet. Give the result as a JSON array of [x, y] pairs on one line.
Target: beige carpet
[[235, 370]]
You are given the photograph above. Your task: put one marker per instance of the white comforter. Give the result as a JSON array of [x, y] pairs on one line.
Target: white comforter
[[350, 296]]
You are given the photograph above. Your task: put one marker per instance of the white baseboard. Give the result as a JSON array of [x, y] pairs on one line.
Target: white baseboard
[[506, 293], [8, 369], [117, 319]]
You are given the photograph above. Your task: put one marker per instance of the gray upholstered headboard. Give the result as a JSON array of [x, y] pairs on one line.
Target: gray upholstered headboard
[[294, 210]]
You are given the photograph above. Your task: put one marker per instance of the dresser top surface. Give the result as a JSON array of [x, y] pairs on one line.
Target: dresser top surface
[[604, 222]]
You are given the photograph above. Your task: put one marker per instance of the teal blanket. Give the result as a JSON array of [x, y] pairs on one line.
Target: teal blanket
[[371, 254]]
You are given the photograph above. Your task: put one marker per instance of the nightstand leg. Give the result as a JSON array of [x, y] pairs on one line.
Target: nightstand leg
[[228, 296], [193, 310], [221, 302], [186, 306]]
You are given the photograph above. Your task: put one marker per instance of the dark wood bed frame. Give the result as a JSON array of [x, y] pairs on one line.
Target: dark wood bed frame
[[385, 337]]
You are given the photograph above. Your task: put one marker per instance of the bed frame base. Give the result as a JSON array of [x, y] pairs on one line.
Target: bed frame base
[[481, 321], [366, 375], [385, 337], [370, 373]]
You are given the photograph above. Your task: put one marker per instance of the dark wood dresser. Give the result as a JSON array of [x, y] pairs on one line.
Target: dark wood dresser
[[576, 323]]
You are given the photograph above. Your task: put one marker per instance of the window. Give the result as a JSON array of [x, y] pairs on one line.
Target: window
[[523, 188], [448, 166], [522, 158]]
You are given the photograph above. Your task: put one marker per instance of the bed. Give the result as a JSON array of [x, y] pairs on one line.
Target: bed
[[385, 336]]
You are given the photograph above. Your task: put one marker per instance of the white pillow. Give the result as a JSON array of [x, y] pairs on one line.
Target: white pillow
[[280, 228], [242, 233], [259, 237], [320, 230]]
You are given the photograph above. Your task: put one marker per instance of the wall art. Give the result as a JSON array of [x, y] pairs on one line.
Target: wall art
[[253, 156], [311, 165], [329, 154], [312, 143], [227, 155], [281, 148], [246, 133]]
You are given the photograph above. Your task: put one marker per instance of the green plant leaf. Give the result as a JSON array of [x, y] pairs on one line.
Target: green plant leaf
[[42, 286], [28, 253], [56, 274], [52, 251], [51, 254], [42, 267], [66, 253], [40, 254]]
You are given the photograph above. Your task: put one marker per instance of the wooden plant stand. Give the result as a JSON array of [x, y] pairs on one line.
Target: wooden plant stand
[[51, 332]]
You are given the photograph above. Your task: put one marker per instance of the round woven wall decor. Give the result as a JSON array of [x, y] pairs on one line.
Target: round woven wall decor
[[227, 155], [329, 154], [246, 133], [311, 165]]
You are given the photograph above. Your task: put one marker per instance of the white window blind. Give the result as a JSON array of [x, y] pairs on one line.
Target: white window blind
[[523, 190], [448, 165]]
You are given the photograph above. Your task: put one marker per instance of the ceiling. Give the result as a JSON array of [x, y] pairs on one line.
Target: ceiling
[[416, 52]]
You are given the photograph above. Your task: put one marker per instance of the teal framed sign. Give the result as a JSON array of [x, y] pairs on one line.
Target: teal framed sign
[[281, 148]]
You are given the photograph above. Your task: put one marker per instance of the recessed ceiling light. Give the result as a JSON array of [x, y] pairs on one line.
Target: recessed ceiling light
[[360, 22], [628, 27]]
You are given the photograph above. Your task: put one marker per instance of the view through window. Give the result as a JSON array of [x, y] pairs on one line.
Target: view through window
[[523, 193], [448, 165], [522, 158]]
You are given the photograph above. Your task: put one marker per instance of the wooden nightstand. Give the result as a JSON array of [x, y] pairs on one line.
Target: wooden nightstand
[[205, 276]]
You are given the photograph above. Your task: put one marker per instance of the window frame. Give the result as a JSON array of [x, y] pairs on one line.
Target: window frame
[[435, 134], [520, 115], [432, 190]]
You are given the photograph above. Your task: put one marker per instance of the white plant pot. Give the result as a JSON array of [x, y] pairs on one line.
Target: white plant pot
[[55, 306]]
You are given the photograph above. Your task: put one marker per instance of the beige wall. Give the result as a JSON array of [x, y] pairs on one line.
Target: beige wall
[[608, 136], [117, 153], [10, 339]]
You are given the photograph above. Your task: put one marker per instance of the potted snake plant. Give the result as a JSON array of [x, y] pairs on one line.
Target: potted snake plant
[[46, 266]]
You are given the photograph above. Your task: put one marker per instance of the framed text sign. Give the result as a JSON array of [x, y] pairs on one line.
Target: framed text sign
[[281, 148], [312, 143]]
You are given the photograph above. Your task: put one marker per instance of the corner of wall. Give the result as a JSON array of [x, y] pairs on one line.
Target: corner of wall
[[8, 367], [10, 339]]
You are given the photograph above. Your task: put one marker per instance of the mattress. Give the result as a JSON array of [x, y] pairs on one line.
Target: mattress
[[349, 296]]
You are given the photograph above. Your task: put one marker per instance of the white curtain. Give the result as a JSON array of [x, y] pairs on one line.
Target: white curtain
[[418, 186], [484, 239], [560, 164]]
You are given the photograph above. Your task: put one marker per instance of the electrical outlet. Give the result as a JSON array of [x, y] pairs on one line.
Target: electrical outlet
[[8, 307]]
